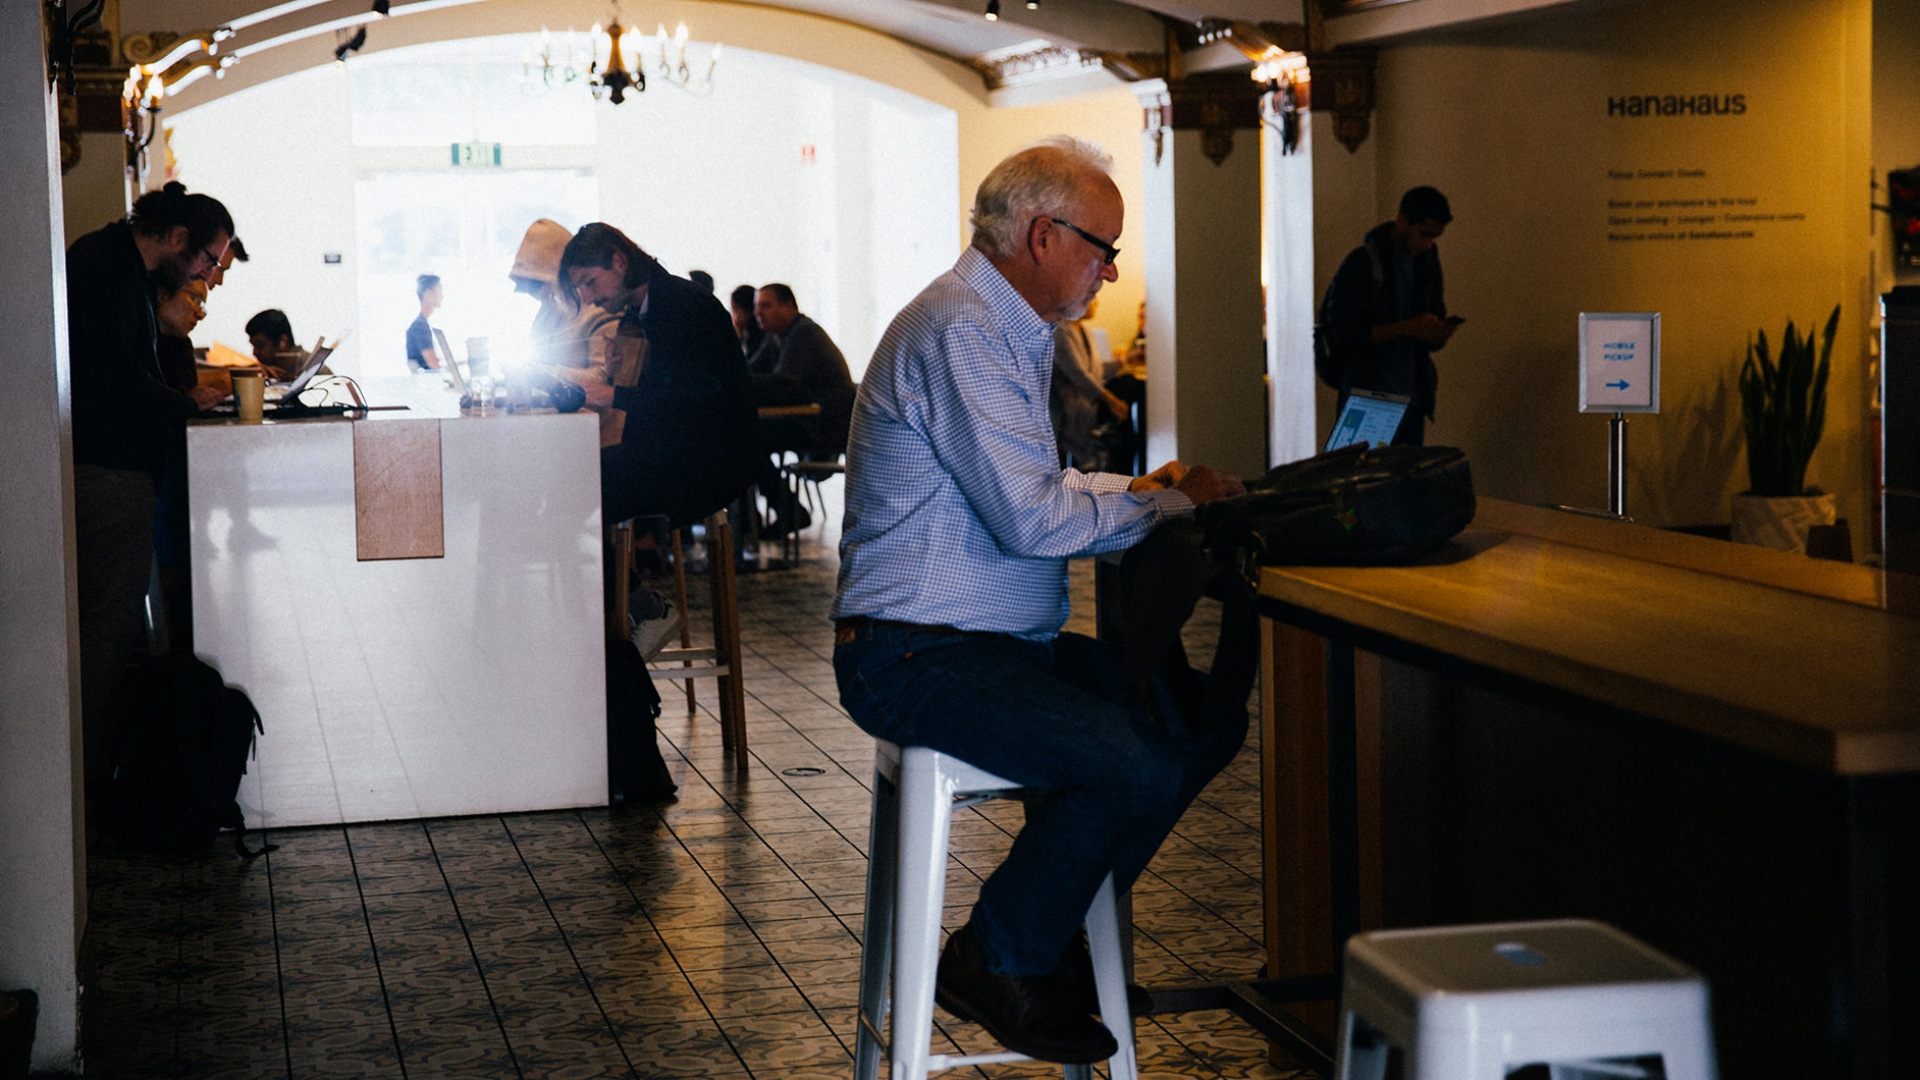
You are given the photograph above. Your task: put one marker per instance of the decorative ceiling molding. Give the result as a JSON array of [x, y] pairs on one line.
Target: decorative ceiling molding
[[1033, 62]]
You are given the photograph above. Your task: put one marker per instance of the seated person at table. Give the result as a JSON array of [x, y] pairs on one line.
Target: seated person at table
[[745, 326], [421, 354], [271, 334], [572, 339], [953, 591], [797, 364], [688, 438]]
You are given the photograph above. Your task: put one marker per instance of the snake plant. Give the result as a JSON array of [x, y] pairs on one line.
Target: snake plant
[[1783, 403]]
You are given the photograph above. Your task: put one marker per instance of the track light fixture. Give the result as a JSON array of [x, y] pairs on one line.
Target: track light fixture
[[351, 45], [1033, 5], [993, 10]]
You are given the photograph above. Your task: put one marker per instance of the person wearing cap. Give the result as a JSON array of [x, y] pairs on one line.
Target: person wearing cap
[[564, 335]]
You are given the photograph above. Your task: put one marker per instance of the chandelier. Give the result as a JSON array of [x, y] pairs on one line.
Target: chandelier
[[612, 62]]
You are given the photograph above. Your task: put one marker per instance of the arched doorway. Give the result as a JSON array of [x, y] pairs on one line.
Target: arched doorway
[[345, 183]]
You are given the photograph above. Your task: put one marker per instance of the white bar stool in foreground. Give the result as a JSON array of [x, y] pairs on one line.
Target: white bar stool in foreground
[[1474, 1002], [915, 791]]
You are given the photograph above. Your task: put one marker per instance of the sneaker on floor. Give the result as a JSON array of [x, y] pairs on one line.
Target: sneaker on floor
[[651, 635]]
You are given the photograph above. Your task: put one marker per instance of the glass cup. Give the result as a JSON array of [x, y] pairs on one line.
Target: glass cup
[[250, 394], [481, 394]]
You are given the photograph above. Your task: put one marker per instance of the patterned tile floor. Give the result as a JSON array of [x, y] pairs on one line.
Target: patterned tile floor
[[711, 937]]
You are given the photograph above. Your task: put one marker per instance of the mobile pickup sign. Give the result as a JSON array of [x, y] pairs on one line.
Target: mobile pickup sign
[[1620, 362]]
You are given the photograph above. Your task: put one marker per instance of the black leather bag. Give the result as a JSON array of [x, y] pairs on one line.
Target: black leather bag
[[1354, 507]]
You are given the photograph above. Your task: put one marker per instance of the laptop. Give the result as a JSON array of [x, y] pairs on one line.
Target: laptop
[[447, 362], [1368, 417], [316, 360], [284, 398]]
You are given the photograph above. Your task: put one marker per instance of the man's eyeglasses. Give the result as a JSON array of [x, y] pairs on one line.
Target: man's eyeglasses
[[212, 258], [1106, 249]]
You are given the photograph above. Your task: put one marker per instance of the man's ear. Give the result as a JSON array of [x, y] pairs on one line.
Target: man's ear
[[1039, 237]]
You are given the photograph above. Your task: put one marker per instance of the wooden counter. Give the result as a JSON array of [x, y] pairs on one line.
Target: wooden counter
[[1830, 684], [1715, 747]]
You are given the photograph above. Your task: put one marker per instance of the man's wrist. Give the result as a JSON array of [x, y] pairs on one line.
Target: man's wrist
[[1171, 502]]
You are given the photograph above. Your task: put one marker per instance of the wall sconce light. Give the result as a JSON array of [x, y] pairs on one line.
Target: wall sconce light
[[156, 73], [1286, 80]]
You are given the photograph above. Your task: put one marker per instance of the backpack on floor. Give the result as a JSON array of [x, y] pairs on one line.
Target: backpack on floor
[[1357, 506], [183, 744]]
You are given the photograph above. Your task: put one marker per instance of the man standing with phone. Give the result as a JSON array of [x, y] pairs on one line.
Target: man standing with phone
[[1385, 312]]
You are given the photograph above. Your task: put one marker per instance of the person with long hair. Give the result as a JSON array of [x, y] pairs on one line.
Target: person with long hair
[[687, 443]]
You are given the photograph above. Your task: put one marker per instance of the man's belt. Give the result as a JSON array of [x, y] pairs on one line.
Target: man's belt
[[849, 628]]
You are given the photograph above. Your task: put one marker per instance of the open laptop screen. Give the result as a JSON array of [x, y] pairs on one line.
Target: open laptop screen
[[448, 363], [316, 360], [1367, 417]]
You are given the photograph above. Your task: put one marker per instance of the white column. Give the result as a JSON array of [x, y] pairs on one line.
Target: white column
[[43, 889], [1292, 300], [1200, 228]]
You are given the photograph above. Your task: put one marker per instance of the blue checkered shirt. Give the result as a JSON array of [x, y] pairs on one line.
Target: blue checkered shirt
[[958, 512]]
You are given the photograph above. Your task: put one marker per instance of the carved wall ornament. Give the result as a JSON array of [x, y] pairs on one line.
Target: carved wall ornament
[[1343, 87], [1215, 105]]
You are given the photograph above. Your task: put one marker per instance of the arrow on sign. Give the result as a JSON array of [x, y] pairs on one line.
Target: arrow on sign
[[1620, 385]]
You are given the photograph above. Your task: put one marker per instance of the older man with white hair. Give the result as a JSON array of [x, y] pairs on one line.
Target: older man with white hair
[[953, 591]]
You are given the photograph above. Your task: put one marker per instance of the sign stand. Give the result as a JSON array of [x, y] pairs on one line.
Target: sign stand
[[1617, 465], [1619, 374]]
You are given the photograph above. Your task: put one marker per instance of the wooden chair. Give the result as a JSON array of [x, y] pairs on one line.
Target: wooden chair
[[720, 660]]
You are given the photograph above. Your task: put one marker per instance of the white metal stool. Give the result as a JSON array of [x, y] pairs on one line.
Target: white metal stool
[[915, 791], [1474, 1002]]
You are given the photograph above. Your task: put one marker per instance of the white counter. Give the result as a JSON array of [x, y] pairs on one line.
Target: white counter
[[410, 687]]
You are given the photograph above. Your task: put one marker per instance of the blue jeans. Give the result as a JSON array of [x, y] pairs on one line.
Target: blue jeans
[[1055, 717]]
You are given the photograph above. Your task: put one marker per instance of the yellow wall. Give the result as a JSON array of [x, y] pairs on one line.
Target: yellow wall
[[1512, 123], [1110, 118]]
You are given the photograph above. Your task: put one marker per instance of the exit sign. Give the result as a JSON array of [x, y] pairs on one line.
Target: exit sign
[[479, 154]]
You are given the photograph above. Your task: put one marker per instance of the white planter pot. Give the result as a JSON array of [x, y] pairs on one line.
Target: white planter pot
[[1781, 522]]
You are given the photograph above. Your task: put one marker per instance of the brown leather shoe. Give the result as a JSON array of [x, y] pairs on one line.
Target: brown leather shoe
[[1039, 1016]]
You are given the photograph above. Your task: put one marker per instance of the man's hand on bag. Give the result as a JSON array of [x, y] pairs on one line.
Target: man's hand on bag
[[1165, 476]]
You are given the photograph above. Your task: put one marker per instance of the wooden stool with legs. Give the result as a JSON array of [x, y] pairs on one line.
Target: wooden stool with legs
[[720, 660]]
